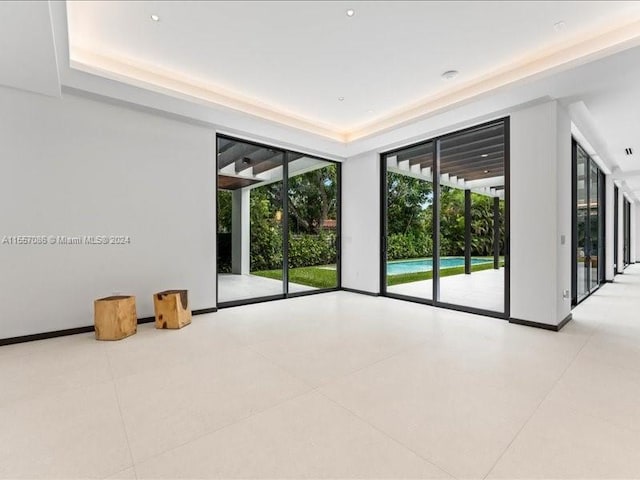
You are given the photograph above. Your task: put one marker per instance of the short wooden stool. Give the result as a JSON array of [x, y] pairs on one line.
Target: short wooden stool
[[115, 317], [172, 309]]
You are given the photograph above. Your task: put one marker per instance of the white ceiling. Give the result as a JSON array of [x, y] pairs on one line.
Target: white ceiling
[[290, 61], [617, 113], [27, 52]]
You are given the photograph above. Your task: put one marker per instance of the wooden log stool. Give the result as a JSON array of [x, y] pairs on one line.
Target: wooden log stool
[[172, 309], [115, 317]]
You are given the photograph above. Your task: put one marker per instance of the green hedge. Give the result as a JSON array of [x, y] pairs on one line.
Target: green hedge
[[311, 250], [304, 250], [410, 245]]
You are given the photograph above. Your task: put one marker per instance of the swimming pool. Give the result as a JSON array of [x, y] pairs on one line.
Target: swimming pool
[[426, 264]]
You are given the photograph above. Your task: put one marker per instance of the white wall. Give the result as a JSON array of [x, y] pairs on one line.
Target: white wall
[[361, 223], [564, 211], [75, 166], [540, 214]]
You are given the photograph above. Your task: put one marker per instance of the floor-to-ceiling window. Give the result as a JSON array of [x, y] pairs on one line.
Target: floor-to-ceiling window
[[588, 225], [616, 226], [627, 232], [278, 222], [445, 220]]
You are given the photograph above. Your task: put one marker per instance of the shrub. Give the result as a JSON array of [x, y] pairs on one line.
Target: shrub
[[409, 245], [311, 250]]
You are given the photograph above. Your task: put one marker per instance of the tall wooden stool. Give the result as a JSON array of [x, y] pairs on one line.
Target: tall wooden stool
[[172, 309], [115, 317]]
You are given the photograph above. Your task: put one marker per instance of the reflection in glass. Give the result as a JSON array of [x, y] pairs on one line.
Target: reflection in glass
[[594, 228], [582, 283], [589, 225]]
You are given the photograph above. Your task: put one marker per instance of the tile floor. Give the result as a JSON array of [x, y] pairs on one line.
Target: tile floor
[[483, 289], [239, 287], [333, 386]]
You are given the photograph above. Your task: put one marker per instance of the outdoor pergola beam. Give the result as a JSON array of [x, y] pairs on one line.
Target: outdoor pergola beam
[[496, 181], [235, 152], [475, 145]]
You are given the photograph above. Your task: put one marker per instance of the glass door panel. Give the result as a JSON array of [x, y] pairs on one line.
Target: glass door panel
[[250, 234], [409, 222], [594, 227], [313, 223], [582, 217], [471, 168]]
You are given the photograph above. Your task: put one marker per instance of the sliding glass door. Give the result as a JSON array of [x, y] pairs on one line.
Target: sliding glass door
[[627, 232], [471, 206], [616, 226], [409, 221], [277, 223], [444, 221], [312, 208], [588, 230]]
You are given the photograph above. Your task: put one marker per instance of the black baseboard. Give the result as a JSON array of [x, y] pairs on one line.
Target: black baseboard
[[45, 335], [544, 326], [360, 292], [75, 331], [203, 311]]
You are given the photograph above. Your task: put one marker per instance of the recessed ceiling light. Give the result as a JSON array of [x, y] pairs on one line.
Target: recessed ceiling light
[[341, 99], [369, 111], [559, 26], [155, 18], [484, 155], [486, 171], [351, 12], [450, 74]]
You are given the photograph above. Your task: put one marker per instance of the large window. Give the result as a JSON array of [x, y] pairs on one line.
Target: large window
[[445, 219], [616, 226], [627, 232], [588, 225], [278, 222]]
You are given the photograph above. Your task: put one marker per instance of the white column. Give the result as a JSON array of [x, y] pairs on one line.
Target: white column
[[240, 231], [540, 214], [609, 234], [361, 223]]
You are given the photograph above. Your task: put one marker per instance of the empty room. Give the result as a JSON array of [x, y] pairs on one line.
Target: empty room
[[319, 239]]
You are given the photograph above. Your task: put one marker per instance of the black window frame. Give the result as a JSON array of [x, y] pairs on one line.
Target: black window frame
[[285, 223], [506, 313]]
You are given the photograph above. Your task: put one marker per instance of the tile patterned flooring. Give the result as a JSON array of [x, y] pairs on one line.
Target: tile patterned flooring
[[336, 385]]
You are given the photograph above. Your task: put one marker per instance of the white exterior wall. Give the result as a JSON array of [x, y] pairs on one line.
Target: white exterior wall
[[75, 166]]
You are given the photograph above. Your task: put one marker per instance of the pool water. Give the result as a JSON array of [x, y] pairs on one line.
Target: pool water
[[426, 264]]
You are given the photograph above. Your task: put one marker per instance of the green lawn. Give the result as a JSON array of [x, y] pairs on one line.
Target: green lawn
[[322, 277], [317, 277], [445, 272]]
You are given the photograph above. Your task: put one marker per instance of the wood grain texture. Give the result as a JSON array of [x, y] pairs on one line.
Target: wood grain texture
[[115, 318], [172, 309]]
